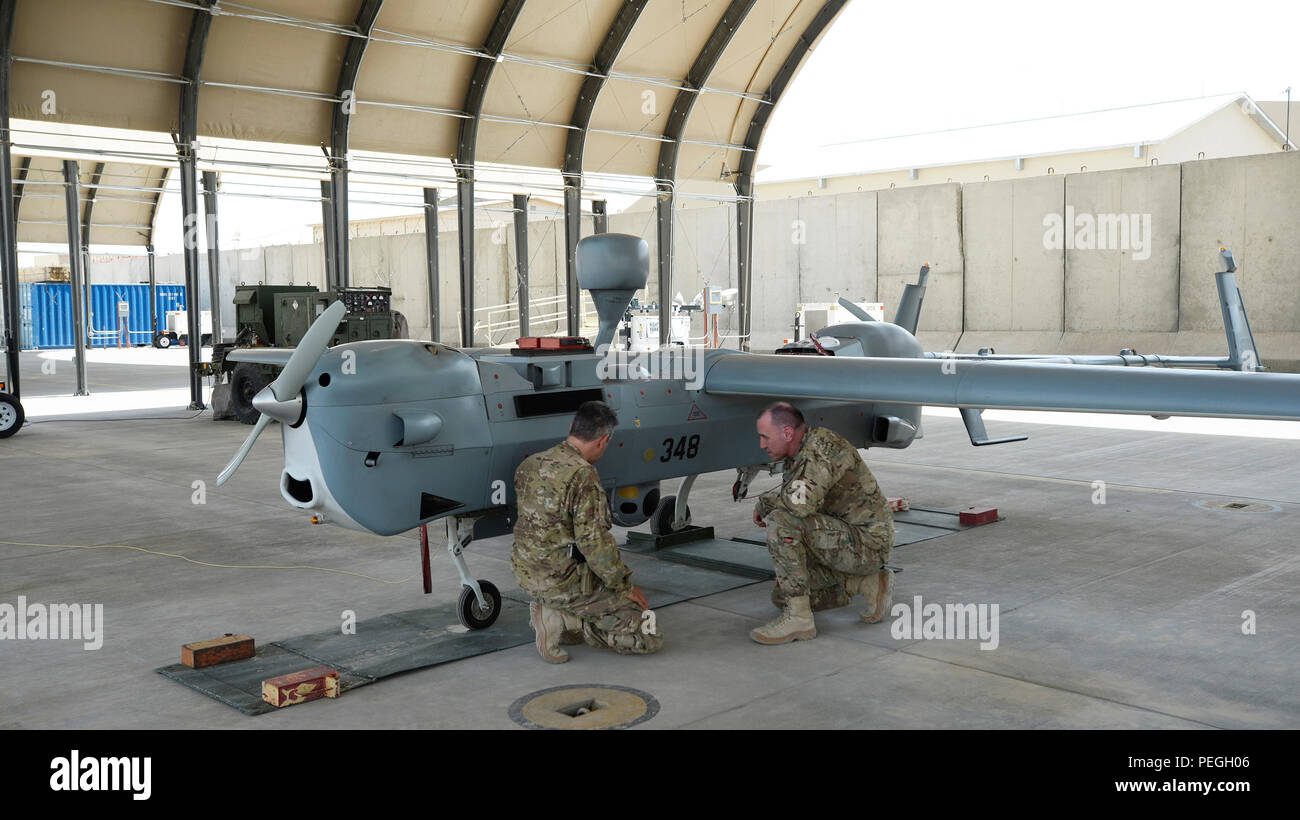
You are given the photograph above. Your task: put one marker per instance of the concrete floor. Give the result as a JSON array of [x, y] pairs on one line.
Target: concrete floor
[[108, 370], [1122, 615]]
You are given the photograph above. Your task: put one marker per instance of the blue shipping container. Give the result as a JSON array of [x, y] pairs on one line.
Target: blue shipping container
[[51, 313]]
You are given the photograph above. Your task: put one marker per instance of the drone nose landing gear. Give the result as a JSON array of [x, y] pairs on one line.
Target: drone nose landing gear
[[480, 600]]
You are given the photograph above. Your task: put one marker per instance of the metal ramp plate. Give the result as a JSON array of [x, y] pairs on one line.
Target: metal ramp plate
[[403, 641], [749, 557], [382, 646]]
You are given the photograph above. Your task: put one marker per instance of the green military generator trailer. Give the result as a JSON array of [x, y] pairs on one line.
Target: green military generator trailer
[[278, 316]]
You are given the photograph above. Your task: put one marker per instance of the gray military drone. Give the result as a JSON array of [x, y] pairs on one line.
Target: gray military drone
[[384, 436]]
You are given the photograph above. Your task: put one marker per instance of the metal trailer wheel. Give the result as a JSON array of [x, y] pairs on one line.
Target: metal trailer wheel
[[474, 616], [11, 415], [162, 341], [246, 381]]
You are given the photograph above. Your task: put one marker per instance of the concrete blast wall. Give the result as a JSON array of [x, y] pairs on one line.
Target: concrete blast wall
[[1085, 263]]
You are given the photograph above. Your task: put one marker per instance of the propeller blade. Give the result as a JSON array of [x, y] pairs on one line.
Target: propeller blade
[[309, 350], [243, 451], [290, 381]]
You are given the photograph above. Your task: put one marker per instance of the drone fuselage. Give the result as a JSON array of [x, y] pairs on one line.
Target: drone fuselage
[[399, 433]]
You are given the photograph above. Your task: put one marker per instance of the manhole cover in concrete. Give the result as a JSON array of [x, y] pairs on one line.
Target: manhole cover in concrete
[[1238, 506], [584, 706]]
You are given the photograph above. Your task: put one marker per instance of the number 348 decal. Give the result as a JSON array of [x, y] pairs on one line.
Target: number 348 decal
[[680, 448]]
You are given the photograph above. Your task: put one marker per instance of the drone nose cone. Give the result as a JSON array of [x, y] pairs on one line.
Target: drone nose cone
[[288, 412]]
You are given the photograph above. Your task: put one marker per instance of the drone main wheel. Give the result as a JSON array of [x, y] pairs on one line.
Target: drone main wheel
[[474, 616], [661, 522]]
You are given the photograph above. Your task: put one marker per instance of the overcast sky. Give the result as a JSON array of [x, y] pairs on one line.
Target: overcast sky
[[885, 69]]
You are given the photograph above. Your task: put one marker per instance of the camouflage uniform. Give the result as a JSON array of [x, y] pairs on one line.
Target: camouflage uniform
[[561, 504], [827, 521]]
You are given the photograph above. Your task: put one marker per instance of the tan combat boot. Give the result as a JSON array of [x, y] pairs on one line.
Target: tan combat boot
[[795, 624], [572, 634], [878, 589], [548, 626]]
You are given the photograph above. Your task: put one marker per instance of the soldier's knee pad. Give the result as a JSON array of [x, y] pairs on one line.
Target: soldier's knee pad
[[786, 526], [781, 518]]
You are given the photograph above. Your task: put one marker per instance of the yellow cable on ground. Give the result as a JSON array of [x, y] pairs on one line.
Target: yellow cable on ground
[[200, 563]]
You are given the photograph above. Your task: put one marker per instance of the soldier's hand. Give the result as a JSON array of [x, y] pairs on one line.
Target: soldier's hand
[[638, 598], [758, 519]]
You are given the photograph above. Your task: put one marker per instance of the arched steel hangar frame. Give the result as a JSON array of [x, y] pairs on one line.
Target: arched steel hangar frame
[[804, 20]]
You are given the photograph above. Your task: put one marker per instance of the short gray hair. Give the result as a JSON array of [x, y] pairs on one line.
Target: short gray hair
[[783, 414], [593, 420]]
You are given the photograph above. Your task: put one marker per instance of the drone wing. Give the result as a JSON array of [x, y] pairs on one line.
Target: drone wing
[[1017, 385]]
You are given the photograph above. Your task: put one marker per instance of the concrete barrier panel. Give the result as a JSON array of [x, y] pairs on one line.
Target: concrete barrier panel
[[838, 255], [1013, 280], [1122, 271], [776, 266], [410, 283], [1251, 205], [703, 252], [252, 268], [919, 225], [308, 263], [449, 289]]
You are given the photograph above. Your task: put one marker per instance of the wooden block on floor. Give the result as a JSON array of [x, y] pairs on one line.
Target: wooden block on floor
[[218, 650], [972, 516], [300, 687]]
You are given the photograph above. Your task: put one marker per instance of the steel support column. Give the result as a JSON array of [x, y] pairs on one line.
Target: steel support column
[[666, 172], [744, 258], [327, 230], [465, 242], [745, 176], [466, 145], [193, 306], [338, 223], [572, 233], [214, 251], [664, 262], [153, 293], [148, 247], [12, 311], [72, 208], [338, 153], [87, 220], [599, 216], [431, 261], [521, 258], [576, 143], [186, 143]]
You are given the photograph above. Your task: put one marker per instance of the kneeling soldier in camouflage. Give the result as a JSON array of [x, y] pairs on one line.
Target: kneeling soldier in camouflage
[[564, 555], [829, 527]]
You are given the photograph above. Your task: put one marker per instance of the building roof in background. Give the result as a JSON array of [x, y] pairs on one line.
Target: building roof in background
[[1124, 127]]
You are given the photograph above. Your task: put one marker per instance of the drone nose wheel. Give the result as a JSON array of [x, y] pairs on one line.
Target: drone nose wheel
[[474, 616]]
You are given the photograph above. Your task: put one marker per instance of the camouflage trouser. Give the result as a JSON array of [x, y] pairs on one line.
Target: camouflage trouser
[[614, 622], [814, 555], [825, 593]]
